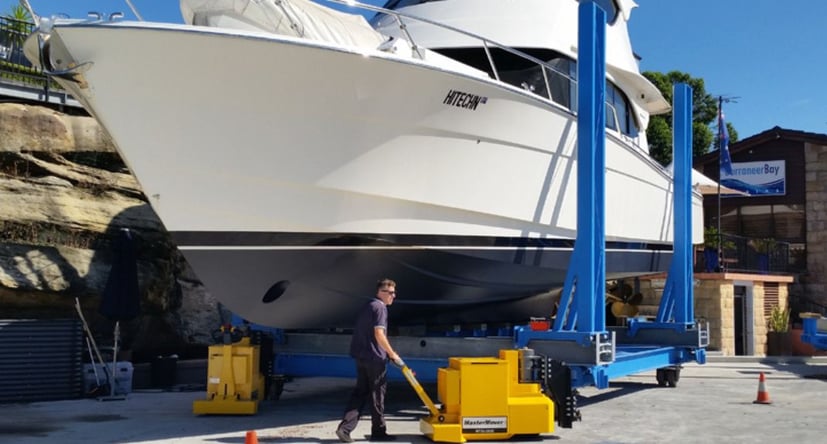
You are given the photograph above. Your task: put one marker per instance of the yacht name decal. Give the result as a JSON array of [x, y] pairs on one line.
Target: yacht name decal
[[463, 100]]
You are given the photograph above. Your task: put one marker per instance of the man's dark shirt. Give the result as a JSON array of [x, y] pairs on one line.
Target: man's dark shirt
[[363, 345]]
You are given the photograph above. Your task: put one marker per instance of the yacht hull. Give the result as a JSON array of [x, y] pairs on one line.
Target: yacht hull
[[287, 138], [282, 283]]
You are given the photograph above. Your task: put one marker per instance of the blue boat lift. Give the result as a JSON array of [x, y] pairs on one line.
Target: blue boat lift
[[575, 348], [579, 336]]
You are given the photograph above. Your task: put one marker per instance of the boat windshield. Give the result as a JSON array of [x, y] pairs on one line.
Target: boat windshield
[[558, 83]]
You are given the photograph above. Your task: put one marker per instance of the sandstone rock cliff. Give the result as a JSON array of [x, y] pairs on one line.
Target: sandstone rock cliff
[[64, 193]]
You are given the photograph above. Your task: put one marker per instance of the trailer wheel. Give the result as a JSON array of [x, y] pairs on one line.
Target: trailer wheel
[[668, 377], [660, 376], [275, 387], [673, 375]]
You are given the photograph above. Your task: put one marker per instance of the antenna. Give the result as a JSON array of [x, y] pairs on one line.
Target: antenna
[[723, 98], [727, 98]]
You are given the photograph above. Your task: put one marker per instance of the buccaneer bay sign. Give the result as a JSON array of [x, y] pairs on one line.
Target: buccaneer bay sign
[[764, 178]]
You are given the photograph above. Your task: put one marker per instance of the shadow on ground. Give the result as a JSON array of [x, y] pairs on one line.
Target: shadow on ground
[[616, 390]]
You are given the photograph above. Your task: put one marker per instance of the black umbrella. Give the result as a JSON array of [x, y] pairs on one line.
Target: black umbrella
[[121, 299]]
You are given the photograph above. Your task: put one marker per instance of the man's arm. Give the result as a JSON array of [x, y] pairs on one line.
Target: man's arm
[[382, 340]]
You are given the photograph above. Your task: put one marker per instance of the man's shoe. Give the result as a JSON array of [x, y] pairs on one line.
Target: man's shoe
[[382, 437], [343, 435]]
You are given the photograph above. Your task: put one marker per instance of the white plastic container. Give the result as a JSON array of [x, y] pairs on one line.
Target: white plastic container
[[123, 377]]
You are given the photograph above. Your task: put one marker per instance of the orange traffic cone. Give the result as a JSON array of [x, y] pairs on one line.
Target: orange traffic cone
[[763, 394], [251, 438]]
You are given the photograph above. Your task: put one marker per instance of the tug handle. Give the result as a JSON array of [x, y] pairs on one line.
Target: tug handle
[[409, 375]]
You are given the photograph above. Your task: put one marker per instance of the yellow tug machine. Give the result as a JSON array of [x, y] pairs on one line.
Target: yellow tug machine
[[235, 382], [484, 399]]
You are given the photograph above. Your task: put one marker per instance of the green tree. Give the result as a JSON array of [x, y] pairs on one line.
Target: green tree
[[17, 26], [19, 13], [704, 117]]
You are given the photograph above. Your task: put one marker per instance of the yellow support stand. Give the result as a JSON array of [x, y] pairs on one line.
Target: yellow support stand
[[234, 383], [483, 399]]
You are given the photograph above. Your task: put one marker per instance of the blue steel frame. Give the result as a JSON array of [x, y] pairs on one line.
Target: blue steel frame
[[630, 360], [676, 310], [581, 317], [676, 305]]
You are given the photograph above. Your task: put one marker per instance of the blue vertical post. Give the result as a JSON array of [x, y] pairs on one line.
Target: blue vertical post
[[581, 316], [678, 299], [591, 167], [682, 249]]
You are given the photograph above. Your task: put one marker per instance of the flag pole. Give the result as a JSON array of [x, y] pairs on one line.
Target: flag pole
[[718, 219]]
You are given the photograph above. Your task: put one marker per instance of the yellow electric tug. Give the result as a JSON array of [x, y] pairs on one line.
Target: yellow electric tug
[[235, 383], [484, 399]]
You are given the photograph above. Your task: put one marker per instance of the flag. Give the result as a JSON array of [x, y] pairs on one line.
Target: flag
[[724, 161]]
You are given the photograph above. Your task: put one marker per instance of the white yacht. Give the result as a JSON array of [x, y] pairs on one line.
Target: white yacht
[[296, 157]]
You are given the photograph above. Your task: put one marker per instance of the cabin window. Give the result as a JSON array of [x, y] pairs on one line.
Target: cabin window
[[619, 114], [558, 84], [558, 80]]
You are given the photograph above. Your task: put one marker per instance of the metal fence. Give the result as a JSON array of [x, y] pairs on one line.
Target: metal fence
[[15, 68], [751, 255], [762, 255]]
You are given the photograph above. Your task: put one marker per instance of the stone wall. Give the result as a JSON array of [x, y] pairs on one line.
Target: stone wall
[[715, 303], [815, 281]]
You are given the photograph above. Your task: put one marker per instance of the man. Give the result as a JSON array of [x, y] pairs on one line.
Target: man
[[371, 350]]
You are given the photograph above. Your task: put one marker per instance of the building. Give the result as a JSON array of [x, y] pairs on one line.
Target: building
[[784, 175]]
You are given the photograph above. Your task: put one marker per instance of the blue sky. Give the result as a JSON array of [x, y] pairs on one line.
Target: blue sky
[[771, 54]]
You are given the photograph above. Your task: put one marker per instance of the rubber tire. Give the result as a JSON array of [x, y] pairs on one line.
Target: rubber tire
[[672, 377], [660, 376]]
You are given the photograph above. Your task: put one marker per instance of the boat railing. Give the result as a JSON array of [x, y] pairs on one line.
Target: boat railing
[[547, 69], [487, 44], [403, 20]]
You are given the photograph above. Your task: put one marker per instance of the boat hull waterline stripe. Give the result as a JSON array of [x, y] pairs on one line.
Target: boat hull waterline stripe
[[265, 240]]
